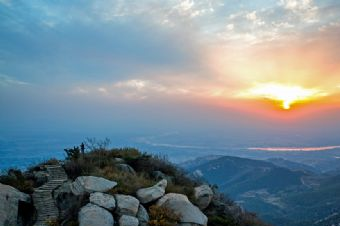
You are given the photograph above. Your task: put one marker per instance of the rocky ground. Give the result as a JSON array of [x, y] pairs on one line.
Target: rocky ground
[[113, 187]]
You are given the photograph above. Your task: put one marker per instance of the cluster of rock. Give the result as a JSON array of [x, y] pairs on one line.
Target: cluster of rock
[[100, 208], [104, 209]]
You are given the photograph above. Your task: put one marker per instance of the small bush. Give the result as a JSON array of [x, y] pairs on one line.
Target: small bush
[[79, 167], [162, 216], [16, 179], [72, 153]]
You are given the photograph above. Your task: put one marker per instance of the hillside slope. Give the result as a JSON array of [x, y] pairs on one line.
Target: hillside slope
[[281, 196]]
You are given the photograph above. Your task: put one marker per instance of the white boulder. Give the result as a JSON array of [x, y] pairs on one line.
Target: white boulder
[[126, 205], [126, 220], [146, 195], [91, 215], [103, 200], [203, 196], [142, 216], [180, 204], [89, 184]]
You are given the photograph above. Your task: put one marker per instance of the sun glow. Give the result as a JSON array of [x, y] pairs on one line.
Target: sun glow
[[286, 95]]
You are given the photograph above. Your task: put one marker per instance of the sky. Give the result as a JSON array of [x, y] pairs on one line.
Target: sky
[[243, 70]]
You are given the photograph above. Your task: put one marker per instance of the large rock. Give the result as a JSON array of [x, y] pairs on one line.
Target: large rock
[[103, 200], [146, 195], [126, 168], [142, 216], [66, 201], [126, 220], [89, 184], [203, 196], [9, 204], [126, 205], [159, 175], [91, 215], [180, 204]]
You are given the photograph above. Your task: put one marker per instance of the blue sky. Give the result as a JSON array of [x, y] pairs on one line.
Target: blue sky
[[160, 66]]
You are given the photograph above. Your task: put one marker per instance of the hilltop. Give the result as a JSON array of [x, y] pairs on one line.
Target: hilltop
[[120, 186]]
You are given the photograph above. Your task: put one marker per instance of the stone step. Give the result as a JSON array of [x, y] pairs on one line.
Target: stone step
[[42, 196], [52, 203], [42, 199], [49, 213], [49, 187], [45, 204]]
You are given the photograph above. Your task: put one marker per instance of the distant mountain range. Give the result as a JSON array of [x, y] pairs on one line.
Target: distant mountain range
[[282, 192]]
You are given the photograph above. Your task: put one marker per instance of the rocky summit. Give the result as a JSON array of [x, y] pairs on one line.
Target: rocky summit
[[94, 189]]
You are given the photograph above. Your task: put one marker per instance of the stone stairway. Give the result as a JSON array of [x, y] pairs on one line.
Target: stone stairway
[[43, 195]]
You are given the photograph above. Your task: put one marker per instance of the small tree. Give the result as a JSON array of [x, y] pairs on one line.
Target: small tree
[[72, 153]]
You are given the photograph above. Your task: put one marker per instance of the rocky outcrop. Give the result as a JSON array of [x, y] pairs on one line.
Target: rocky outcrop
[[9, 204], [142, 216], [146, 195], [91, 215], [126, 205], [203, 196], [125, 168], [103, 200], [126, 220], [180, 204], [89, 184]]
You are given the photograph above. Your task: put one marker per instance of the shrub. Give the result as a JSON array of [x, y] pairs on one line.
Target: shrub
[[162, 216], [72, 153], [79, 167], [16, 179]]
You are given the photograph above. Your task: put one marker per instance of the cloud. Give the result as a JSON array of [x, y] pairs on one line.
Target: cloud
[[128, 48], [305, 9], [6, 80]]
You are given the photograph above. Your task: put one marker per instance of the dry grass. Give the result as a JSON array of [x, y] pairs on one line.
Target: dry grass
[[162, 216], [127, 183]]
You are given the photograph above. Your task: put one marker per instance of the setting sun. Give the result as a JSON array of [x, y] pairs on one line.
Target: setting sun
[[285, 94]]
